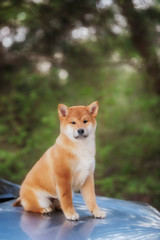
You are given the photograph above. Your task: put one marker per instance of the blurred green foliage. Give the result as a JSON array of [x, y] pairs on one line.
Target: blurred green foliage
[[107, 68]]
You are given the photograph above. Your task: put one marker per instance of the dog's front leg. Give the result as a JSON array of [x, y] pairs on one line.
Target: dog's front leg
[[65, 196], [88, 193]]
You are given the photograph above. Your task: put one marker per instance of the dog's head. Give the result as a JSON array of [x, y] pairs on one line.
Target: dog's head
[[78, 122]]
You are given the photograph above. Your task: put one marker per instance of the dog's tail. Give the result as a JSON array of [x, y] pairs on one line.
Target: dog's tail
[[17, 203]]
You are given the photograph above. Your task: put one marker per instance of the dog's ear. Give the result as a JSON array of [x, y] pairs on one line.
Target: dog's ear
[[93, 108], [62, 110]]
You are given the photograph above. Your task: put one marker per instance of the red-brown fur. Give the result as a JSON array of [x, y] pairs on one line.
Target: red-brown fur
[[63, 167]]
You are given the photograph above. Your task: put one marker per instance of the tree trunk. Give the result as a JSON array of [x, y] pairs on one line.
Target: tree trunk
[[142, 37]]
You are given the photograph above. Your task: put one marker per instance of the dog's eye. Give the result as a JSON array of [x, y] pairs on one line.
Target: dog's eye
[[85, 121], [73, 122]]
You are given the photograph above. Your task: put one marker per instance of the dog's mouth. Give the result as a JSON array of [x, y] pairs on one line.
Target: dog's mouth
[[81, 136]]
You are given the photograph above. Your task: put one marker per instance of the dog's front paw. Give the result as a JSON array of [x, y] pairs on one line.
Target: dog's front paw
[[73, 216], [97, 213]]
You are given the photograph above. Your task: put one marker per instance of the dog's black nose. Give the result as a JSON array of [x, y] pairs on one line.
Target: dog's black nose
[[80, 131]]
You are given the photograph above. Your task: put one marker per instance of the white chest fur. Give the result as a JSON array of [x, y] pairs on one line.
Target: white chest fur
[[84, 164]]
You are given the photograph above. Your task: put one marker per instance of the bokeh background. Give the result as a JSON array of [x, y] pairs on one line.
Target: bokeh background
[[75, 52]]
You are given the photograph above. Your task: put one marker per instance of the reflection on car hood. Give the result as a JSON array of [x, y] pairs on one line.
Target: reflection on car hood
[[125, 220]]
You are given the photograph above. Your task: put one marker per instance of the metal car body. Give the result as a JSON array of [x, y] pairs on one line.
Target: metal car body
[[125, 220]]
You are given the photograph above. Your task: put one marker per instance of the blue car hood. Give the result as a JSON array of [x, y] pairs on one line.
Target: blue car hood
[[125, 220]]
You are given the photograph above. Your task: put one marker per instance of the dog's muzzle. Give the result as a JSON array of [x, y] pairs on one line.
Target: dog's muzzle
[[81, 133]]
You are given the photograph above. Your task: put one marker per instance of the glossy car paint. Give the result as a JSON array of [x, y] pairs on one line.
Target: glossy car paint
[[125, 220]]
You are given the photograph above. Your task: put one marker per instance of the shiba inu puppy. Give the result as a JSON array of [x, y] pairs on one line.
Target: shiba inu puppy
[[66, 166]]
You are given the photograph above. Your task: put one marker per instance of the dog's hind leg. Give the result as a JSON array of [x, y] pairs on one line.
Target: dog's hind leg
[[35, 201]]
